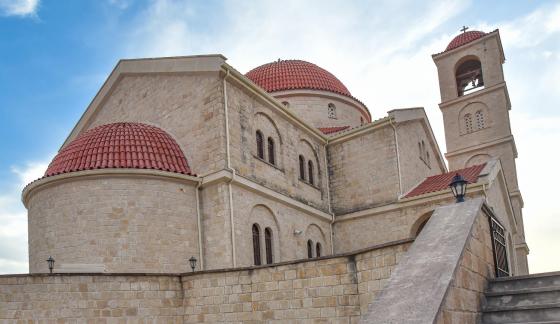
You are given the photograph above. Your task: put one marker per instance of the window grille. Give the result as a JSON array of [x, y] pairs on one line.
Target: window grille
[[260, 145], [268, 244], [256, 245], [271, 157]]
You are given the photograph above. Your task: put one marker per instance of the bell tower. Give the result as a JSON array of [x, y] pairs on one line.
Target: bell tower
[[475, 106]]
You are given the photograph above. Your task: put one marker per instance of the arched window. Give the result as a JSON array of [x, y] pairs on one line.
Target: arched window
[[301, 167], [332, 111], [420, 149], [256, 245], [479, 115], [468, 123], [318, 250], [427, 157], [310, 171], [309, 249], [271, 157], [260, 144], [268, 244], [286, 104], [469, 77]]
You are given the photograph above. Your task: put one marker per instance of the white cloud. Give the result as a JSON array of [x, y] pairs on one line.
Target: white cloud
[[20, 8], [13, 217]]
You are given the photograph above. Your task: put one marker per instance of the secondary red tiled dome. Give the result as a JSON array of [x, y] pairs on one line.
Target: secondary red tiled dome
[[121, 145], [464, 38], [295, 74]]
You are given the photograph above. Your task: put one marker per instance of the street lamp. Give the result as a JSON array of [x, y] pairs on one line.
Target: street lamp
[[192, 261], [458, 187], [50, 262]]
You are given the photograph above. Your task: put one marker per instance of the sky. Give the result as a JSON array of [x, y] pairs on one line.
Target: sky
[[55, 55]]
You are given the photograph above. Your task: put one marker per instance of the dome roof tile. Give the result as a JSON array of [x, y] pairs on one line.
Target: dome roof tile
[[295, 74], [121, 145]]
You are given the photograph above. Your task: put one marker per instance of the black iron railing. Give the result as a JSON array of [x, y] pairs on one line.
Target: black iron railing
[[499, 248]]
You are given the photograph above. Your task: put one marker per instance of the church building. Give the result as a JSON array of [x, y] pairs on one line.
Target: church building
[[281, 185]]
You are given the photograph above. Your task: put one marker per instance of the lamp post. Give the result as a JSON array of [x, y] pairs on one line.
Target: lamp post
[[458, 187], [50, 262], [192, 261]]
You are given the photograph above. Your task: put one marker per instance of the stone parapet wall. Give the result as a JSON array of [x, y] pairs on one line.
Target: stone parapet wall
[[335, 288], [82, 298]]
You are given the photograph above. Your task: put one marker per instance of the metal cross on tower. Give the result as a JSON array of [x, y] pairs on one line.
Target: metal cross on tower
[[464, 29]]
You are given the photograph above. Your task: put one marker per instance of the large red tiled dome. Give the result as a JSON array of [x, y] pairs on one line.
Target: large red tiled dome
[[464, 38], [295, 74], [121, 145]]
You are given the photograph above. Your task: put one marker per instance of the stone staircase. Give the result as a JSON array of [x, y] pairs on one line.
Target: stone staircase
[[523, 299]]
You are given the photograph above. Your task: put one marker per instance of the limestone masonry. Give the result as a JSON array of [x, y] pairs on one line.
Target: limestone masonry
[[189, 192]]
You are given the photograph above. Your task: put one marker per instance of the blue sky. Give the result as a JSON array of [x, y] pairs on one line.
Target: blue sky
[[54, 56]]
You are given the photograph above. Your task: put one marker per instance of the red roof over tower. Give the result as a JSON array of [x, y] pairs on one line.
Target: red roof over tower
[[295, 74], [464, 38], [121, 145]]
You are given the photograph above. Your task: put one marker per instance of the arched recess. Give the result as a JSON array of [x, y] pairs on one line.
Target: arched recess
[[420, 223], [473, 117], [314, 233], [268, 127], [265, 218], [477, 159], [309, 153]]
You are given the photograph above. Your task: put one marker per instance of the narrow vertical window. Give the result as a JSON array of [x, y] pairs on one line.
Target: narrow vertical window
[[361, 120], [468, 123], [256, 245], [310, 171], [318, 250], [331, 111], [260, 145], [268, 244], [301, 167], [419, 150], [479, 119], [309, 249], [271, 157]]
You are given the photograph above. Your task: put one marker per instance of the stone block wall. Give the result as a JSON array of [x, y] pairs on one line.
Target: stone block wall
[[122, 222], [332, 289], [367, 164], [90, 298], [248, 114]]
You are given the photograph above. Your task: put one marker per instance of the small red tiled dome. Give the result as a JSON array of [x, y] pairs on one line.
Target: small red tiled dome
[[464, 38], [295, 74], [121, 145]]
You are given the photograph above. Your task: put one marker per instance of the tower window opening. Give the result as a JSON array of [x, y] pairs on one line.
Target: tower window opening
[[479, 115], [310, 171], [271, 157], [286, 104], [301, 167], [260, 144], [469, 77], [256, 245], [468, 123], [268, 244], [318, 250], [309, 249], [332, 111]]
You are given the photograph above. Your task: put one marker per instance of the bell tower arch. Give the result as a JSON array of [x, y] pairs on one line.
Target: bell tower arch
[[475, 105]]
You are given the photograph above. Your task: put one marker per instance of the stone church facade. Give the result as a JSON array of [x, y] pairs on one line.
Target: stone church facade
[[268, 178]]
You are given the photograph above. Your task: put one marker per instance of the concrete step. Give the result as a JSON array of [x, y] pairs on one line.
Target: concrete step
[[547, 313], [523, 297], [535, 281]]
